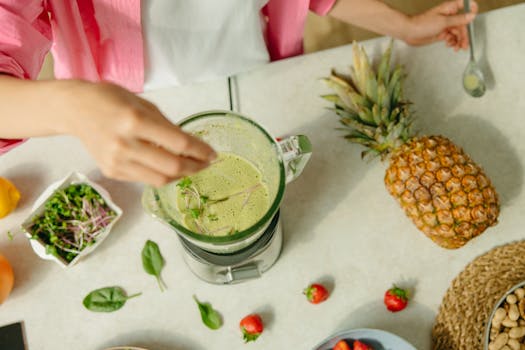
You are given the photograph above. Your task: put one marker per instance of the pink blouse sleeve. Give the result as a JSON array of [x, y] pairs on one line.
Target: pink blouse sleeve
[[321, 7], [25, 38], [285, 24], [6, 145]]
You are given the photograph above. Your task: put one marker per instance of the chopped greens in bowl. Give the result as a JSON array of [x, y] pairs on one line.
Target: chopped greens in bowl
[[71, 220]]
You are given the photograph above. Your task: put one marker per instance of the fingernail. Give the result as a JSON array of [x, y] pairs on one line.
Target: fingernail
[[212, 156], [470, 16]]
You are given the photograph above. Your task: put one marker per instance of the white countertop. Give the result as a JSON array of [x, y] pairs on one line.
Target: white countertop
[[340, 224]]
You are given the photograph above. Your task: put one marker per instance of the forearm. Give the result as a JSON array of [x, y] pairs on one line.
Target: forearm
[[373, 15], [29, 108]]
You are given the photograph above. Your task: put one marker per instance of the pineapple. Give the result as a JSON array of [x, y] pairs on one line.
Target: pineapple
[[440, 188]]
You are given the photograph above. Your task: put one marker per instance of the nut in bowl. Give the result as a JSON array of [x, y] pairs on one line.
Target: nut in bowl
[[70, 219], [505, 328]]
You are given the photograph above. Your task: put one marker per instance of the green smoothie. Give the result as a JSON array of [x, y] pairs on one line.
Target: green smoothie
[[471, 82], [227, 197]]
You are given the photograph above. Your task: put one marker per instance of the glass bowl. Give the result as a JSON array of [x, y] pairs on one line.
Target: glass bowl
[[376, 338]]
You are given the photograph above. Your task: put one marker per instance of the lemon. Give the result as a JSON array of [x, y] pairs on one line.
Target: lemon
[[9, 197]]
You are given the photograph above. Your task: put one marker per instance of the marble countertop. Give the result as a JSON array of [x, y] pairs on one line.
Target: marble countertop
[[340, 224]]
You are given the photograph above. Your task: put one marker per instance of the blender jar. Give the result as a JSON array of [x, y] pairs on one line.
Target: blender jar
[[278, 162]]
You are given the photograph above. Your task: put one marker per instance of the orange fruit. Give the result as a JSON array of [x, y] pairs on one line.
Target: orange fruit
[[9, 197], [7, 278]]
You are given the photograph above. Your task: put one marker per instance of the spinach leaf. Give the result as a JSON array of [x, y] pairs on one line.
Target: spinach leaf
[[153, 262], [107, 299], [211, 318]]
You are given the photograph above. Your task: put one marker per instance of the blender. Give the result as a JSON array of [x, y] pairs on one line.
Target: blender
[[245, 254]]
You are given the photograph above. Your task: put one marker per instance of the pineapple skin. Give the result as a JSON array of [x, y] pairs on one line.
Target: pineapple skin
[[447, 196]]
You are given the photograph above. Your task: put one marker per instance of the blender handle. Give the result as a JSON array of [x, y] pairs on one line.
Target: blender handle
[[241, 273], [296, 151]]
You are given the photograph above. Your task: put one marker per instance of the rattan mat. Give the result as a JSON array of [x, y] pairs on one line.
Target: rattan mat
[[461, 319]]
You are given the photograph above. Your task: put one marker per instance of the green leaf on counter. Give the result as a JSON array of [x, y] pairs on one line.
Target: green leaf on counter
[[211, 318], [107, 299], [153, 262]]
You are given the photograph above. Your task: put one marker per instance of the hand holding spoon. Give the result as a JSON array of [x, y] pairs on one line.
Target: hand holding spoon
[[473, 79]]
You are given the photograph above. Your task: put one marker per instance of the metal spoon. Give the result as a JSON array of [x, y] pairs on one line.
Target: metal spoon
[[473, 79]]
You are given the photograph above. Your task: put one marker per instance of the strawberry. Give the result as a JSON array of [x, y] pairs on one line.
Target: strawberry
[[316, 293], [341, 345], [361, 346], [396, 299], [251, 327]]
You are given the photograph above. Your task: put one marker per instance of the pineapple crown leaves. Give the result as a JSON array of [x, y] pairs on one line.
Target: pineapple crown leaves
[[370, 104]]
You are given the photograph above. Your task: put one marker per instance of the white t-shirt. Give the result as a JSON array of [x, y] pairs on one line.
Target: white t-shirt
[[196, 40]]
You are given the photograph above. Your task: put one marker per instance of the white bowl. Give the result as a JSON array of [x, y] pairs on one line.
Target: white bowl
[[125, 348], [378, 339], [39, 206]]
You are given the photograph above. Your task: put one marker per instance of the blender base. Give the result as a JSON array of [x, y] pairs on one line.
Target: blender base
[[237, 267]]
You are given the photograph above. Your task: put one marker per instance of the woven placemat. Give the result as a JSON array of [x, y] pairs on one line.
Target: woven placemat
[[468, 303]]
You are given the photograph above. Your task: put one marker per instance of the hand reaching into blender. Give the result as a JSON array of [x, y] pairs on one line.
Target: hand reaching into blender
[[127, 135]]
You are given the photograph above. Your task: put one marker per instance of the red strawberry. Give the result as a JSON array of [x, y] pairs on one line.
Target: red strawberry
[[251, 327], [316, 293], [361, 346], [341, 345], [396, 299]]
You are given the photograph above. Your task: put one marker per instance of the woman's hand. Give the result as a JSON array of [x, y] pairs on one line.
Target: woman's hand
[[441, 23], [128, 136]]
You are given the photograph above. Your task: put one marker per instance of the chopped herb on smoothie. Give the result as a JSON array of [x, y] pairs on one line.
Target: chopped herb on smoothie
[[227, 197]]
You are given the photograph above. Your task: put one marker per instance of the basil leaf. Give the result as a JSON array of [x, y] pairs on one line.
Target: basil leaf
[[106, 299], [211, 318], [153, 262]]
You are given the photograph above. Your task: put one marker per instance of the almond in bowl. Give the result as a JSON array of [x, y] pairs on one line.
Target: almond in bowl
[[505, 329]]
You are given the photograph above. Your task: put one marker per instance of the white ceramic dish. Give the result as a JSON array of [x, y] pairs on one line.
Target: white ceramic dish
[[378, 339], [38, 208], [125, 348]]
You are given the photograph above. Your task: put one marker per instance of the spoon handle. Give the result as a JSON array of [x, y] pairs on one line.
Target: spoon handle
[[470, 29]]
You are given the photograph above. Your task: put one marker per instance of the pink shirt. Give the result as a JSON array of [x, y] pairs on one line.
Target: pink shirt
[[102, 39]]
